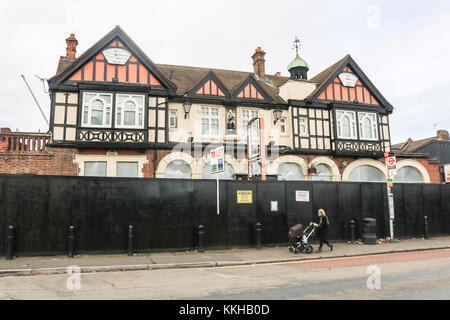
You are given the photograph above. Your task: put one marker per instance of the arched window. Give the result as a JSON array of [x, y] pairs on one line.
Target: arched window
[[366, 174], [367, 126], [228, 174], [96, 109], [290, 171], [408, 174], [323, 173], [346, 124], [178, 169], [129, 111]]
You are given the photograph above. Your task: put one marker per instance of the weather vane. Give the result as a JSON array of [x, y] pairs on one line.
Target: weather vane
[[296, 45]]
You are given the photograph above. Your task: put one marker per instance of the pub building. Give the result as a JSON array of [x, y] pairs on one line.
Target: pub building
[[116, 113]]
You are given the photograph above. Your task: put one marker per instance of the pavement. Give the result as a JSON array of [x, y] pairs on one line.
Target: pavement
[[23, 266]]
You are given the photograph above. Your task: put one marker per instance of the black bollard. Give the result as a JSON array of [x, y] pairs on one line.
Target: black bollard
[[71, 252], [201, 232], [425, 218], [130, 240], [10, 248], [352, 231], [258, 235]]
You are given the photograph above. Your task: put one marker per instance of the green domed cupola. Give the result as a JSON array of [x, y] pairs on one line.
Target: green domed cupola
[[298, 68]]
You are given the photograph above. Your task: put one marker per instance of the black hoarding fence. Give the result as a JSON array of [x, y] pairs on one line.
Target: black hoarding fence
[[166, 214]]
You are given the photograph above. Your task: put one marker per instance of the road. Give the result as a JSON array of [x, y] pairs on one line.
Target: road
[[413, 275]]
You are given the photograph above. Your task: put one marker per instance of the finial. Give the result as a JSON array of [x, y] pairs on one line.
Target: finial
[[297, 45]]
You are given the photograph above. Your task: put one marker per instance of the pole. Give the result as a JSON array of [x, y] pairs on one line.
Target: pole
[[263, 150], [390, 203], [42, 112], [217, 178]]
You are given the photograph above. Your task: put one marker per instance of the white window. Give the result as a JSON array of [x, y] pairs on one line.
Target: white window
[[283, 128], [248, 115], [95, 168], [173, 118], [178, 169], [346, 124], [323, 173], [290, 171], [408, 175], [127, 169], [96, 109], [302, 125], [367, 126], [129, 111], [366, 174], [210, 121]]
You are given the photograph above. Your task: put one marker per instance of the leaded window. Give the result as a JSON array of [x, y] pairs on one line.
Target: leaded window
[[129, 111], [96, 109]]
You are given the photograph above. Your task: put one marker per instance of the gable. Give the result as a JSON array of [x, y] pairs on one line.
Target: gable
[[346, 82], [209, 85], [250, 89], [113, 59], [347, 86], [119, 65]]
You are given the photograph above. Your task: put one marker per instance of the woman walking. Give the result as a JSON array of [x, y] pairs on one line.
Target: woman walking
[[322, 229]]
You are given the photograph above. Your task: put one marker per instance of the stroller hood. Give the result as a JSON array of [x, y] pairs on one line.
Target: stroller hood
[[296, 231]]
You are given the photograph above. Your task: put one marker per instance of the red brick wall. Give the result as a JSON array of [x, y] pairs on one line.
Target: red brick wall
[[58, 161]]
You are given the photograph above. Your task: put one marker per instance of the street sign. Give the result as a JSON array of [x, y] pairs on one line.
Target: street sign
[[391, 162], [217, 160], [386, 154]]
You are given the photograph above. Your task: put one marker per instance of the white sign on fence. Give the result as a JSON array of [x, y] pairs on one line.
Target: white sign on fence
[[301, 195]]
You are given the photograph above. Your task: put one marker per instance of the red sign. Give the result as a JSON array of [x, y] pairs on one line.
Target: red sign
[[386, 154], [391, 162]]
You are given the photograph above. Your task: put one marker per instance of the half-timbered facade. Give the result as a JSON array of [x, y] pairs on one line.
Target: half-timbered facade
[[124, 115]]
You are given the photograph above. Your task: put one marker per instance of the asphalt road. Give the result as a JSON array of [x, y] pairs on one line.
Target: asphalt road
[[412, 275]]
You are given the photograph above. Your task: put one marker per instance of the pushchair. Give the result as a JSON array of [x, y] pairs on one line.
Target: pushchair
[[298, 238]]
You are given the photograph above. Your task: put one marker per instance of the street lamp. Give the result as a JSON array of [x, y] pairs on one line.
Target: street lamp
[[187, 108], [277, 115]]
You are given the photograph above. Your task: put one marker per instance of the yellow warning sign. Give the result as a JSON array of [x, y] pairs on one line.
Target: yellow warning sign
[[244, 196]]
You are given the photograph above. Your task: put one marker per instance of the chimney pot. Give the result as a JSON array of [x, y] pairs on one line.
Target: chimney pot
[[278, 74], [259, 62]]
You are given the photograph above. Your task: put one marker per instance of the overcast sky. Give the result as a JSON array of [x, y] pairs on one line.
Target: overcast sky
[[402, 46]]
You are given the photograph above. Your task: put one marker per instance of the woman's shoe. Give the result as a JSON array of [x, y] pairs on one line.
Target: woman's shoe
[[319, 250], [331, 247]]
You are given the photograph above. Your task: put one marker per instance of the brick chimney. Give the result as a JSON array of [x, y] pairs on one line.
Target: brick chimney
[[71, 48], [278, 74], [442, 135], [258, 62]]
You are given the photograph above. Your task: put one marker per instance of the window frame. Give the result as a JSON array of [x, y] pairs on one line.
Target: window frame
[[373, 125], [305, 123], [87, 107], [94, 161], [283, 123], [128, 162], [210, 117], [139, 109], [353, 125], [246, 120], [171, 116]]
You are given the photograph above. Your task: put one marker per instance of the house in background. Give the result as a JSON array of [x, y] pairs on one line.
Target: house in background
[[116, 113], [436, 148]]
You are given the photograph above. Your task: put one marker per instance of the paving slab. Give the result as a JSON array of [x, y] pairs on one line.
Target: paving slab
[[207, 259]]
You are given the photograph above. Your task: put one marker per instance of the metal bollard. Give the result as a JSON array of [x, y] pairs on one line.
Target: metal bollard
[[201, 232], [258, 235], [71, 252], [352, 230], [425, 218], [10, 248], [130, 240]]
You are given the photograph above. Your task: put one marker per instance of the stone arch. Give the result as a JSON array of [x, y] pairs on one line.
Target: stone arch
[[273, 167], [335, 174], [363, 162], [160, 172], [417, 165]]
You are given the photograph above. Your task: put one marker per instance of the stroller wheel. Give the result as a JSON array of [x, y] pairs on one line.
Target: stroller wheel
[[296, 251], [291, 249], [309, 249]]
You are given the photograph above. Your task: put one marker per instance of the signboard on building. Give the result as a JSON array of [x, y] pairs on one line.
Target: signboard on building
[[217, 160], [116, 55], [447, 173], [302, 196], [348, 79], [244, 196]]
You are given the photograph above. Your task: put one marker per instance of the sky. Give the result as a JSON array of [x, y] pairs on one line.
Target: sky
[[402, 46]]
